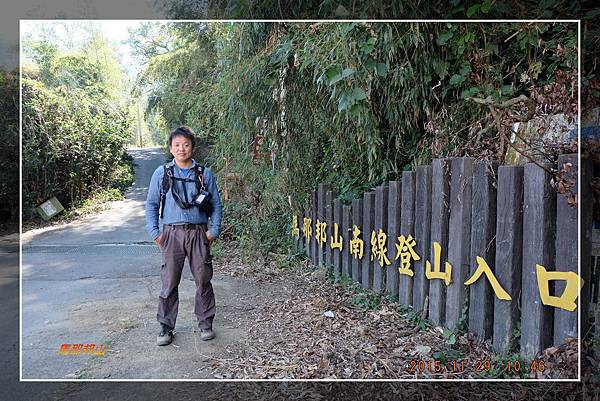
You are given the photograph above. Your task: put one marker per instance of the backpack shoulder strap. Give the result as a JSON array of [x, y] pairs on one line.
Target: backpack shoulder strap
[[164, 188], [166, 178]]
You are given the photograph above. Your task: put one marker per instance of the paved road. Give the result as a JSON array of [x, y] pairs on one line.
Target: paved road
[[9, 340], [96, 282]]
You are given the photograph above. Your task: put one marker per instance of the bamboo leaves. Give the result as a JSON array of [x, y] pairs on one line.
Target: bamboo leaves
[[333, 75], [335, 93], [367, 46], [444, 37], [351, 100]]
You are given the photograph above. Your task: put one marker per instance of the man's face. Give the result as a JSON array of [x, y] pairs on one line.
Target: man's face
[[181, 149]]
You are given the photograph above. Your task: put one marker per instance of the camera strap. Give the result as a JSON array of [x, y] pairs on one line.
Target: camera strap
[[169, 182], [200, 178]]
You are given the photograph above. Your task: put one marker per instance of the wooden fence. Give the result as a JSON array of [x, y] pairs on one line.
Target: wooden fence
[[493, 245]]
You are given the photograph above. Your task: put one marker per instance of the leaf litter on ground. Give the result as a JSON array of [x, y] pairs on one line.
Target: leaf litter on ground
[[314, 329]]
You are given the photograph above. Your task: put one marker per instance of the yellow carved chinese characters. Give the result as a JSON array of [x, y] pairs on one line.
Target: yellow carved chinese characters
[[569, 296], [378, 247], [337, 241], [356, 244], [406, 252], [307, 228], [320, 232], [295, 229], [436, 273], [482, 267]]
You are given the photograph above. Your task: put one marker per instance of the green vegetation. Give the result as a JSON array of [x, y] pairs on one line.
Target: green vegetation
[[280, 107], [414, 317], [119, 181], [377, 9], [362, 298], [365, 299], [73, 146], [9, 137], [509, 366], [75, 124], [446, 356]]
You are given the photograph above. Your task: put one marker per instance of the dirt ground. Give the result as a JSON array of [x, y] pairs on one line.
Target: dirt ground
[[97, 280], [302, 325]]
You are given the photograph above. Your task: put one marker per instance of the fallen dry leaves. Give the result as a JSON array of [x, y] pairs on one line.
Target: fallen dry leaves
[[315, 329]]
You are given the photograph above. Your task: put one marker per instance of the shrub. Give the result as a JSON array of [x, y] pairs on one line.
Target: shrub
[[72, 144], [9, 137]]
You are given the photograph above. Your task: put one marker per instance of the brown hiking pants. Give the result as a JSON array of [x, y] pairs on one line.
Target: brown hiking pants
[[179, 242]]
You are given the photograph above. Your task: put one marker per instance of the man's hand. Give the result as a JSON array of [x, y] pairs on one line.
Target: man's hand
[[210, 238], [159, 240]]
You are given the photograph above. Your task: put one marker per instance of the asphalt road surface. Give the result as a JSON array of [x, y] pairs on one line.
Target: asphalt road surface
[[96, 281]]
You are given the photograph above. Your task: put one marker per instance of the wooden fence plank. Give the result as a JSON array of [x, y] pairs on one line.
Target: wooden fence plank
[[321, 190], [394, 213], [357, 218], [367, 226], [585, 260], [539, 218], [422, 234], [305, 241], [459, 239], [314, 215], [407, 228], [483, 244], [329, 196], [455, 203], [336, 254], [379, 271], [346, 227], [565, 322], [509, 255], [440, 190]]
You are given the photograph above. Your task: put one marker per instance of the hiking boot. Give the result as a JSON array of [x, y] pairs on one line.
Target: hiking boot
[[165, 337], [206, 334]]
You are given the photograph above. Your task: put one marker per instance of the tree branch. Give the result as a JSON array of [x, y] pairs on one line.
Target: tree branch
[[506, 104]]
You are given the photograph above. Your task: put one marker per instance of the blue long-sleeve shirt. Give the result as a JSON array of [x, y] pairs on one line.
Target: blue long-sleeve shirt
[[173, 214]]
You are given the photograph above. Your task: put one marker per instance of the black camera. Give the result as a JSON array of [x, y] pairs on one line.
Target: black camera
[[203, 201]]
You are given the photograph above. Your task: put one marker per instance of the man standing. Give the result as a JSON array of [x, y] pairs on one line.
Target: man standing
[[184, 195]]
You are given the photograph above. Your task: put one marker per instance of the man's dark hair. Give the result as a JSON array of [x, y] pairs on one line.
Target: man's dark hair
[[184, 131]]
